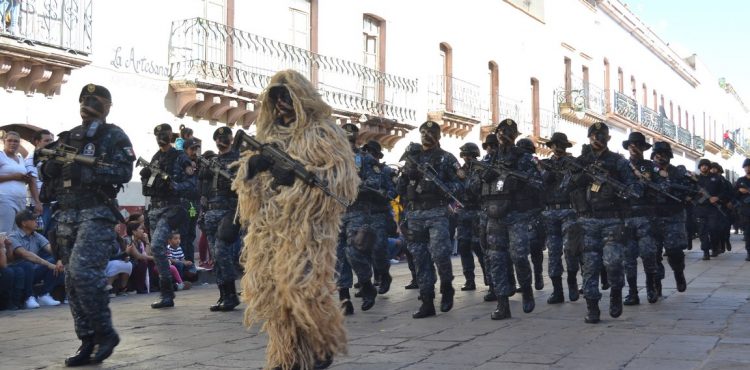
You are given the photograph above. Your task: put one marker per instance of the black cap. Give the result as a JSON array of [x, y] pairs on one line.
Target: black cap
[[661, 147], [350, 127], [490, 140], [95, 90], [526, 145], [598, 127], [717, 166], [506, 123], [191, 143], [470, 149], [162, 128], [636, 138], [559, 138], [431, 126], [373, 147], [746, 162], [24, 215], [222, 131], [704, 161]]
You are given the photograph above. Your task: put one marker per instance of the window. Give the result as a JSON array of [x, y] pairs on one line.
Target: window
[[494, 92], [585, 72], [299, 24], [671, 111], [632, 86], [679, 116], [656, 101], [535, 106], [372, 49], [620, 82], [212, 46], [645, 95], [568, 80], [446, 54]]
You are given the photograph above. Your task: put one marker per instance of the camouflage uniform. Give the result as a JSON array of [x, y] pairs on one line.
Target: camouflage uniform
[[467, 232], [84, 225], [707, 216], [427, 214], [744, 207], [167, 211]]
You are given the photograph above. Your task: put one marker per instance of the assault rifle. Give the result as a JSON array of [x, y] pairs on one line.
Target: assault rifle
[[155, 171], [651, 185], [67, 154], [381, 194], [214, 166], [600, 176], [503, 171], [703, 195], [280, 158], [430, 174]]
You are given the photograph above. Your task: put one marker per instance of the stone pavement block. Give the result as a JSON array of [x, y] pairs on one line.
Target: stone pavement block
[[540, 358], [724, 365], [681, 347], [436, 366], [366, 366], [427, 344], [511, 366], [663, 364], [614, 346], [465, 354], [582, 363], [402, 356]]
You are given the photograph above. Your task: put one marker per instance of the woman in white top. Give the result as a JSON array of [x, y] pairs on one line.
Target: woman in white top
[[14, 177]]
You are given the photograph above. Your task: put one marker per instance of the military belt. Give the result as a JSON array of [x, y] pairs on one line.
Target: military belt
[[424, 205], [79, 203], [552, 207], [601, 214], [667, 211], [164, 203], [224, 205]]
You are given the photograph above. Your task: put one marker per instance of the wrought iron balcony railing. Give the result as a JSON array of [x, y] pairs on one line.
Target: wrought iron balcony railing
[[668, 128], [684, 137], [455, 96], [198, 51], [699, 144], [593, 96], [626, 106], [650, 119], [59, 24]]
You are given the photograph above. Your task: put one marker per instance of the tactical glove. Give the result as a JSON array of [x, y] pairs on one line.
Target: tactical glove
[[282, 176], [145, 173], [255, 165]]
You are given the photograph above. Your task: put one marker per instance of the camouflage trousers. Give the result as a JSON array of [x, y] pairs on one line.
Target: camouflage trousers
[[508, 241], [344, 276], [85, 238], [602, 244], [670, 235], [639, 243], [709, 222], [557, 224], [363, 232], [537, 238], [223, 253], [428, 240], [467, 235], [381, 262]]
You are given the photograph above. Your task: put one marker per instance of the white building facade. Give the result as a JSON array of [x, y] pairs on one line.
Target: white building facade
[[385, 65]]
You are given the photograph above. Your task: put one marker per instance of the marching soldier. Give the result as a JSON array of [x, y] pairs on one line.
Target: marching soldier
[[601, 221], [538, 236], [427, 168], [708, 212], [490, 145], [639, 240], [86, 215], [559, 216], [669, 230], [742, 187], [467, 231], [509, 208], [220, 227], [169, 180]]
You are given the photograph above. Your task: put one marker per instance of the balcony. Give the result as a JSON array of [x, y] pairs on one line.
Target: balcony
[[454, 104], [698, 144], [584, 103], [53, 38], [684, 137], [626, 107], [507, 108], [668, 129], [650, 119], [217, 73]]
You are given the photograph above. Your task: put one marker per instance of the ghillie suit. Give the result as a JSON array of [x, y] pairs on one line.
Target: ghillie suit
[[292, 231]]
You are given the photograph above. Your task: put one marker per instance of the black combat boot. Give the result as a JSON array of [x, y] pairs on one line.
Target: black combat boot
[[412, 285], [706, 256], [230, 299], [469, 285], [528, 299], [538, 277], [652, 294], [632, 298], [385, 282], [747, 258], [83, 354], [557, 295], [369, 292], [502, 311], [573, 294], [167, 294], [346, 301], [222, 294], [490, 296], [615, 302], [592, 311], [679, 278], [106, 344], [446, 296], [657, 283], [605, 279], [427, 308]]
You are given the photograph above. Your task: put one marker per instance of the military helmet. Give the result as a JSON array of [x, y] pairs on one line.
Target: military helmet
[[526, 145], [662, 147], [746, 162], [470, 149]]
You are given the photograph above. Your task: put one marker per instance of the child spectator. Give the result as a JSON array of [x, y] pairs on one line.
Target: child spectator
[[139, 250], [177, 261], [118, 269], [185, 133], [12, 279]]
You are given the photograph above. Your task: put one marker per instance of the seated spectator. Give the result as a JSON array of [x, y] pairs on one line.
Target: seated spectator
[[33, 252], [118, 269], [139, 249], [177, 261], [14, 178], [12, 279]]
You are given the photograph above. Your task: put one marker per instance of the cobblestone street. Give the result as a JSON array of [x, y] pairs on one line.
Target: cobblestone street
[[705, 327]]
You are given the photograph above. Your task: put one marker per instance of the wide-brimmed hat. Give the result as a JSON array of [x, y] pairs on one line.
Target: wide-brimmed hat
[[559, 138], [637, 139], [662, 147], [489, 140]]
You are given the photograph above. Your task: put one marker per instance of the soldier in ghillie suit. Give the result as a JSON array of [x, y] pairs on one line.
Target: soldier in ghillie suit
[[292, 228]]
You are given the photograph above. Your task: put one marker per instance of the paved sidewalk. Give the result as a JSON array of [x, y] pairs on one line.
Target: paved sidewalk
[[705, 327]]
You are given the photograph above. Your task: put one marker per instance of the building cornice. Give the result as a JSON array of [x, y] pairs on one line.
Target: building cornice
[[630, 22]]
